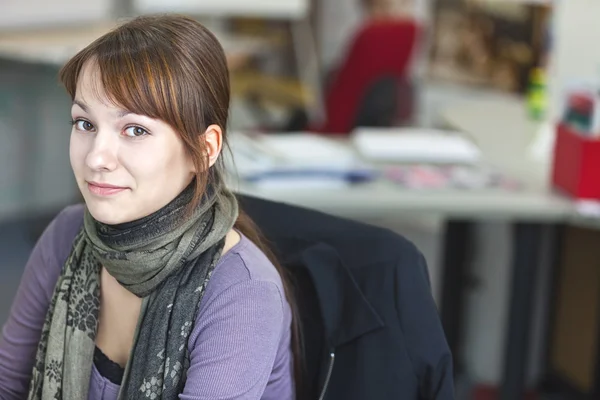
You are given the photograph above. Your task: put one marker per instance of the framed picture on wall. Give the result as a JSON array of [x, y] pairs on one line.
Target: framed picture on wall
[[492, 44]]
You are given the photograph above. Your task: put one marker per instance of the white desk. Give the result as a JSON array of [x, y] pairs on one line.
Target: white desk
[[503, 133], [507, 146], [380, 199]]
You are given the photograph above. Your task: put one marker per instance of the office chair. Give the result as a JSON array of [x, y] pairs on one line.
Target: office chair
[[369, 323], [372, 87]]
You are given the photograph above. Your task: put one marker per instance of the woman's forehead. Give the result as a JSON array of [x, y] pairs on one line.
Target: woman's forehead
[[90, 87]]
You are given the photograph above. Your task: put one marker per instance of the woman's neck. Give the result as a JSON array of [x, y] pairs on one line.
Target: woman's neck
[[232, 238]]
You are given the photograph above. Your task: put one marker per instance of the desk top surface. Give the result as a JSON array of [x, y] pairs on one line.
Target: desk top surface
[[380, 199], [503, 132]]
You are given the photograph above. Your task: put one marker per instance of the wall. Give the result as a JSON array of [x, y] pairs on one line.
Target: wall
[[574, 56], [35, 175]]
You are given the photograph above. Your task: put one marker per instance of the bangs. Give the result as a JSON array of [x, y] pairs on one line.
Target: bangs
[[135, 74]]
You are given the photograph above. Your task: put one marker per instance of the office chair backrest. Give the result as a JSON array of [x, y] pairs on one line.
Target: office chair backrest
[[364, 299], [381, 50]]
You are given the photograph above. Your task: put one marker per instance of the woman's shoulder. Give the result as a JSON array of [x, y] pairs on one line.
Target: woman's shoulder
[[245, 261], [244, 275], [244, 264], [58, 236], [69, 220], [242, 330]]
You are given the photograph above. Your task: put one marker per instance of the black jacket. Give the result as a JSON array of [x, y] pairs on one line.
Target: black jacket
[[370, 326]]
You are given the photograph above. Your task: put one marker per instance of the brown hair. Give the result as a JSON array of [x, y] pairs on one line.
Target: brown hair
[[172, 68]]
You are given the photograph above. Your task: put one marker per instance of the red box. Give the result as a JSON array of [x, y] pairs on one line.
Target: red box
[[576, 166]]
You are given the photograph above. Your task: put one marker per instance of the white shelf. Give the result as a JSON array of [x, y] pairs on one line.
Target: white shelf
[[18, 14], [293, 9]]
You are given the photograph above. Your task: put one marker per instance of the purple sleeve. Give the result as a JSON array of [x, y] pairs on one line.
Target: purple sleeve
[[235, 342], [21, 333]]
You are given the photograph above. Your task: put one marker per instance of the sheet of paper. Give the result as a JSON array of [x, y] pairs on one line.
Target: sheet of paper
[[412, 145]]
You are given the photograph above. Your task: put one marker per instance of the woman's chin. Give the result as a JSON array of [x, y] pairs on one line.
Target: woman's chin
[[109, 214]]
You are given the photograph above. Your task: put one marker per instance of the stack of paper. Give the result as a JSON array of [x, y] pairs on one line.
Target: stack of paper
[[308, 150], [411, 145], [296, 160]]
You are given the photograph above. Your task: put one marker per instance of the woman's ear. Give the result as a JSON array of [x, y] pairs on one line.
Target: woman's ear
[[213, 138]]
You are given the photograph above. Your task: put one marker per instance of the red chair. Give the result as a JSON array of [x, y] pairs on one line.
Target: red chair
[[380, 54]]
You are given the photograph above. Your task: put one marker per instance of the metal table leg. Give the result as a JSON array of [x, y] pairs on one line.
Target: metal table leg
[[525, 268], [456, 258]]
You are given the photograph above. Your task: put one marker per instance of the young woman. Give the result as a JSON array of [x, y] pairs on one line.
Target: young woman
[[159, 287]]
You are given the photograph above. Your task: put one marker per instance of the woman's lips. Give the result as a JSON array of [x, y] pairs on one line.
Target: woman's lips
[[104, 189]]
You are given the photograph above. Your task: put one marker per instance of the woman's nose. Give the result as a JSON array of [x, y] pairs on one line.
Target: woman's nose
[[103, 153]]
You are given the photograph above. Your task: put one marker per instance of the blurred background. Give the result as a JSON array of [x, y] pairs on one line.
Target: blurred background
[[448, 121]]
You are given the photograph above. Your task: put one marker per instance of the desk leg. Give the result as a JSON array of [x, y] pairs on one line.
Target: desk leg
[[456, 258], [525, 267]]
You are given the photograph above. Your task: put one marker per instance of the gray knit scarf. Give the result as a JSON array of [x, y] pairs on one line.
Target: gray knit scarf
[[167, 259]]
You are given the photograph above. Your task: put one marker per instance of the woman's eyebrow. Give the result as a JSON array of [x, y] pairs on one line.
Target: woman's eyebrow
[[123, 113], [84, 107], [81, 105]]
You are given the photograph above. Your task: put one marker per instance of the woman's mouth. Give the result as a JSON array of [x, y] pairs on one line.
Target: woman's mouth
[[104, 189]]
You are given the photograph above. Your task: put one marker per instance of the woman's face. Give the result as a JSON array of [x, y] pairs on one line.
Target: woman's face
[[127, 166]]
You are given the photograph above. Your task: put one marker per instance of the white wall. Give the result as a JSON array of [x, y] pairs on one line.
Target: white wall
[[338, 20], [575, 54]]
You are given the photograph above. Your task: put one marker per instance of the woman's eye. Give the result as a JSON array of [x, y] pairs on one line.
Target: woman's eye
[[83, 125], [135, 131]]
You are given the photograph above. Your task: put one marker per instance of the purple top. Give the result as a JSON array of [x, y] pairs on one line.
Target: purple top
[[239, 348]]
